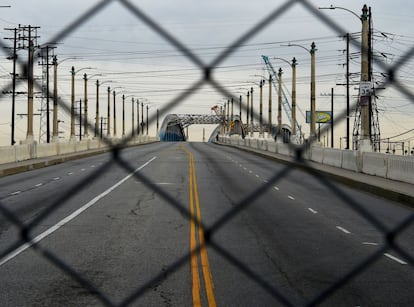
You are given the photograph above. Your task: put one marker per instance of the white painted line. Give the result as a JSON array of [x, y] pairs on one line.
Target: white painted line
[[395, 258], [343, 229], [245, 168], [370, 243], [15, 193], [162, 183], [70, 173], [240, 165], [250, 172], [291, 197], [276, 188], [257, 176], [312, 210], [82, 170], [265, 181], [70, 217], [56, 178], [38, 185], [92, 166]]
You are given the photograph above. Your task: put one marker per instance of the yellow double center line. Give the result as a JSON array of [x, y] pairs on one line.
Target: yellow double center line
[[198, 251]]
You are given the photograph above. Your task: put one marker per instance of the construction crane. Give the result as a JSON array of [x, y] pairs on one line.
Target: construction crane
[[285, 102]]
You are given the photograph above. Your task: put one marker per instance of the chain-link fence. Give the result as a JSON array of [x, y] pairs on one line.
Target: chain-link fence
[[390, 236]]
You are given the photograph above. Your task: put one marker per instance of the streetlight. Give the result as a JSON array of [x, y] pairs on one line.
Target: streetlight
[[312, 87], [55, 132], [123, 114], [293, 66], [365, 101], [72, 113], [114, 94], [85, 120], [97, 106]]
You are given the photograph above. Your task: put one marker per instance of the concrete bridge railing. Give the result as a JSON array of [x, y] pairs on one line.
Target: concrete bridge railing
[[16, 153], [400, 168]]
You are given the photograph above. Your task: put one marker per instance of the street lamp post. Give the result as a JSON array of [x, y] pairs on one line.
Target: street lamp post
[[251, 111], [72, 109], [365, 77], [312, 88], [262, 82], [98, 84], [279, 107]]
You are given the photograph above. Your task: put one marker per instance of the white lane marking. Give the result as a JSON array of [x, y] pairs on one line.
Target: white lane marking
[[163, 183], [71, 173], [291, 197], [257, 176], [245, 168], [70, 217], [276, 188], [250, 172], [56, 178], [265, 181], [343, 229], [82, 170], [15, 193], [240, 165], [312, 210], [395, 258], [92, 166], [38, 185], [370, 243]]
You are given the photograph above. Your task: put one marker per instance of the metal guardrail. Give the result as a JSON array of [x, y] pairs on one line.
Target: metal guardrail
[[389, 235]]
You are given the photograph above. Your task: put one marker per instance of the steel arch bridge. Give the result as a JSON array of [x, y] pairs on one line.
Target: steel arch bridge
[[173, 125]]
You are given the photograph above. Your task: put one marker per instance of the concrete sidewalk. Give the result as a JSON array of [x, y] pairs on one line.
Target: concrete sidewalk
[[394, 190]]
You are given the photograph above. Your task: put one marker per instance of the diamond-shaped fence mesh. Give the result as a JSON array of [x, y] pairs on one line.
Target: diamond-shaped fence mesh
[[389, 236]]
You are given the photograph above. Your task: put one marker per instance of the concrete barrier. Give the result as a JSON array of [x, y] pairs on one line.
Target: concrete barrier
[[375, 164], [46, 150], [283, 149], [350, 160], [7, 154], [271, 145], [401, 168], [317, 154], [332, 157]]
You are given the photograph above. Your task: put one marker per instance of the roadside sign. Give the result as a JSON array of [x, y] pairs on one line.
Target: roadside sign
[[322, 117]]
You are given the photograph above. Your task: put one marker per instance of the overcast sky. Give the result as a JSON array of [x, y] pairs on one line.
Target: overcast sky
[[123, 49]]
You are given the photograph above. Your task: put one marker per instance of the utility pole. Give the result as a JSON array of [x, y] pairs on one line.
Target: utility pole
[[251, 110], [279, 107], [114, 94], [261, 108], [108, 113], [138, 117], [347, 90], [294, 98], [158, 122], [29, 35], [142, 118], [85, 104], [332, 117], [14, 58], [270, 106], [45, 107], [247, 112], [55, 131], [97, 109], [147, 119], [123, 115], [313, 102], [133, 119]]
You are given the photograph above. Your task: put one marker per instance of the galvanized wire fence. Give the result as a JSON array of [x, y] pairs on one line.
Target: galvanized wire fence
[[390, 236]]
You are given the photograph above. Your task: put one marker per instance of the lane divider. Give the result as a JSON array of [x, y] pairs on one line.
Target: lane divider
[[197, 234]]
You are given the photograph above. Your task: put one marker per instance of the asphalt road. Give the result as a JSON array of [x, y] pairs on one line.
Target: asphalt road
[[277, 236]]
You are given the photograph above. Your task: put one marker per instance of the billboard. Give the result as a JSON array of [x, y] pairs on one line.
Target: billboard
[[321, 117]]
